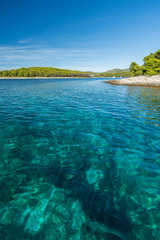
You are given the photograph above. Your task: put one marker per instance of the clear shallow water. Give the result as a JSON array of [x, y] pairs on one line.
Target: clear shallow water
[[80, 159]]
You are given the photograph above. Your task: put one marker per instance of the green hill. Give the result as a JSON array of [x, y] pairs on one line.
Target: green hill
[[117, 70], [42, 72], [116, 73]]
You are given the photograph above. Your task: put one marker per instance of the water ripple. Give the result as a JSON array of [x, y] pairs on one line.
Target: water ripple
[[80, 159]]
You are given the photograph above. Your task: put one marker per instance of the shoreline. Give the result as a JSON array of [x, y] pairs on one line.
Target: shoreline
[[39, 77], [139, 81]]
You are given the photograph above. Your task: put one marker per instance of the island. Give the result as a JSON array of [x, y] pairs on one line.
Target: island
[[42, 72]]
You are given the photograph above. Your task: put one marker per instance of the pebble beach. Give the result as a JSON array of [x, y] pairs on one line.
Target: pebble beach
[[145, 81]]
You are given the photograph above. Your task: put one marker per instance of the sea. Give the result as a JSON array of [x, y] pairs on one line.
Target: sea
[[79, 160]]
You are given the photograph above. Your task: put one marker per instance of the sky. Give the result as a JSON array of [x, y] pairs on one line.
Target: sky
[[88, 35]]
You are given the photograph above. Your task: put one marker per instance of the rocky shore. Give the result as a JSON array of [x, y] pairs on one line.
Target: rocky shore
[[144, 81]]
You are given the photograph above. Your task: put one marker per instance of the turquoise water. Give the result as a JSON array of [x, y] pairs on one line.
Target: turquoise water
[[80, 159]]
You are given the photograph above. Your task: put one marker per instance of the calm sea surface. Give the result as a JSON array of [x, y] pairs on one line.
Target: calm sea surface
[[79, 160]]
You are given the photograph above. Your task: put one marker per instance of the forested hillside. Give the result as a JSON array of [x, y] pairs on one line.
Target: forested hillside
[[42, 72], [115, 74]]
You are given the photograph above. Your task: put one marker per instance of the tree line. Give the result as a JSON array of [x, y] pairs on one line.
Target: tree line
[[42, 72], [151, 65], [124, 74]]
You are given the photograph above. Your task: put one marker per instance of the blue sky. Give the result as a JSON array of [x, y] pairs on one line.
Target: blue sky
[[95, 35]]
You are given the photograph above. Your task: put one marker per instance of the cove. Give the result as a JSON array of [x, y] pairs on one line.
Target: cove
[[79, 160]]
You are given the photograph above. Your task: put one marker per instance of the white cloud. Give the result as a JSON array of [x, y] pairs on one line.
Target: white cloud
[[34, 52]]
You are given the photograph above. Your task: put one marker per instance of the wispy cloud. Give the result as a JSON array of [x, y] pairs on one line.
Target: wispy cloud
[[23, 41], [84, 51], [69, 57], [33, 55], [26, 41]]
